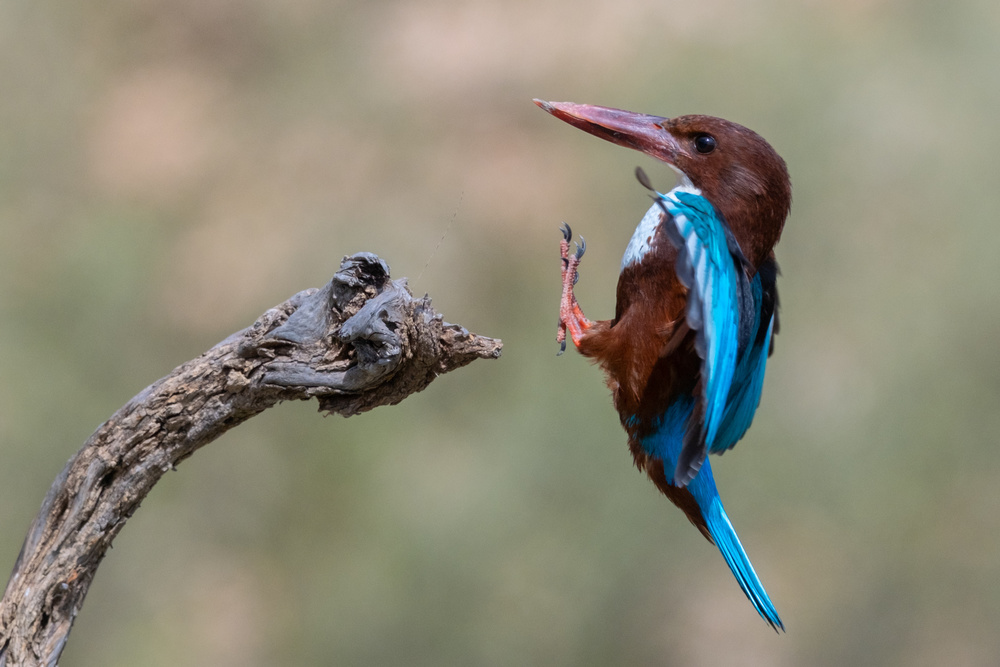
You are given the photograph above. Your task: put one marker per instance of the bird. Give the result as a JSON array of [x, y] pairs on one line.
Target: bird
[[696, 307]]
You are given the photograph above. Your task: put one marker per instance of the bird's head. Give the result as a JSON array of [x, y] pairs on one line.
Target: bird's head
[[735, 169]]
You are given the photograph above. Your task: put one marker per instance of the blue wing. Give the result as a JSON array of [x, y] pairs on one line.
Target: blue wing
[[748, 379], [720, 309]]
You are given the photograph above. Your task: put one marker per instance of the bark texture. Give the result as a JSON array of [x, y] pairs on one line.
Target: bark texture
[[359, 342]]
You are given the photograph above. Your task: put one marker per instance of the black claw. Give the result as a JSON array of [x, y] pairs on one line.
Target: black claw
[[562, 348], [581, 248], [566, 231]]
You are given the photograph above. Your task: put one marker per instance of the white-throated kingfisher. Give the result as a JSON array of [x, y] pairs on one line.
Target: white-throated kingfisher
[[696, 307]]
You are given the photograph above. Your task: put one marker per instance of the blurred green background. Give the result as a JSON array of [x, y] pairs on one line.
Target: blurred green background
[[169, 169]]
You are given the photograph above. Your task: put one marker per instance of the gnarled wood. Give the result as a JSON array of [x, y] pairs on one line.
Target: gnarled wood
[[358, 343]]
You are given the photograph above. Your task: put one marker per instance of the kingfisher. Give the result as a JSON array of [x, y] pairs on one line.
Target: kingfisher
[[696, 308]]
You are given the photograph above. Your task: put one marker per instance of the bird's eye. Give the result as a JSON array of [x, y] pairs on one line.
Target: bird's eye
[[704, 143]]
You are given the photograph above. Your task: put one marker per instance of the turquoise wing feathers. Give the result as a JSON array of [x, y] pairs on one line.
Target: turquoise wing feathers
[[724, 309], [748, 379]]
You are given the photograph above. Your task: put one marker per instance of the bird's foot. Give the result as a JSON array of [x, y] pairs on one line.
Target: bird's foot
[[571, 317]]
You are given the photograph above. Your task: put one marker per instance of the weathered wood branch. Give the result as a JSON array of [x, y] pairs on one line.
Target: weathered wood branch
[[358, 343]]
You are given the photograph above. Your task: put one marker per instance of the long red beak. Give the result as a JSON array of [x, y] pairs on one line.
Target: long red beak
[[633, 130]]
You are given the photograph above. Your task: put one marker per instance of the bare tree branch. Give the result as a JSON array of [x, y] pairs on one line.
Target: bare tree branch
[[358, 343]]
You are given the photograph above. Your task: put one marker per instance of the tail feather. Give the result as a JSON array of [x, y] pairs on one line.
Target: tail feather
[[700, 501], [729, 544]]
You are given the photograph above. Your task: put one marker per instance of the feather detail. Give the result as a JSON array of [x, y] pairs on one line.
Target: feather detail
[[732, 550], [719, 301], [748, 379]]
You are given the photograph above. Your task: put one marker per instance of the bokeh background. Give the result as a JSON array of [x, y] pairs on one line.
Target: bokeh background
[[169, 169]]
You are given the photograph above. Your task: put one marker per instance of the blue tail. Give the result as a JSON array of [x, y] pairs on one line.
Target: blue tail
[[665, 443], [729, 544]]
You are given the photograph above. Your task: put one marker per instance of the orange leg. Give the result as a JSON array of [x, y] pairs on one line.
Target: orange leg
[[571, 317]]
